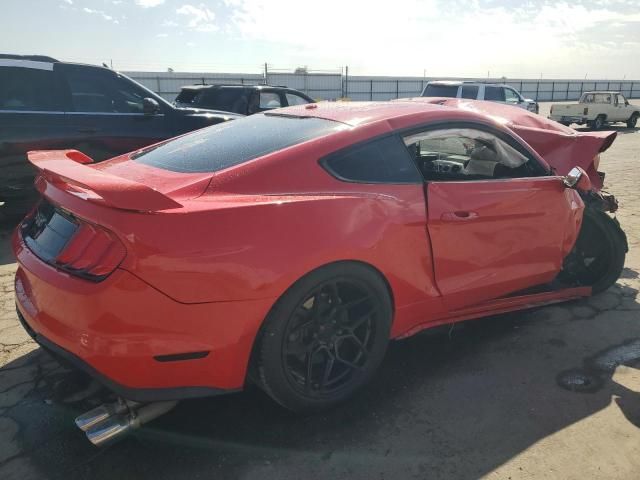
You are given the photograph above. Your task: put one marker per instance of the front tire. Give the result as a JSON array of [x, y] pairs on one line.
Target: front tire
[[325, 337], [631, 123], [597, 258]]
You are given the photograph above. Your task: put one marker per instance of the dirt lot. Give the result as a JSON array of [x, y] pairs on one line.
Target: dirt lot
[[484, 399]]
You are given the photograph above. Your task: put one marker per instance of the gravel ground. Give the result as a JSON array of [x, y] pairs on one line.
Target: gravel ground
[[485, 399]]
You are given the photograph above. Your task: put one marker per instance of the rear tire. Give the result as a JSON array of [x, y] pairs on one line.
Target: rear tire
[[325, 337], [631, 123], [597, 259], [598, 123]]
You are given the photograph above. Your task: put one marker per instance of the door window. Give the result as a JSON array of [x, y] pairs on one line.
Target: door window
[[99, 92], [269, 100], [494, 94], [511, 96], [470, 91], [293, 99], [463, 154], [28, 89], [440, 90]]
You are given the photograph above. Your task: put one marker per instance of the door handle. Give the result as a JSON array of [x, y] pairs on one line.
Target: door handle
[[459, 216]]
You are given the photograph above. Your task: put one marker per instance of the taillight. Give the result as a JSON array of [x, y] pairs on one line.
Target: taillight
[[596, 162], [71, 244], [93, 253]]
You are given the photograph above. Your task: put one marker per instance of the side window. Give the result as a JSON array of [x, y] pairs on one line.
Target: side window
[[380, 161], [494, 94], [270, 100], [293, 99], [99, 92], [470, 91], [511, 96], [620, 100], [465, 154], [27, 89]]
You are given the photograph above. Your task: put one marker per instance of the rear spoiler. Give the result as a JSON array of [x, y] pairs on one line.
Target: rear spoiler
[[69, 171]]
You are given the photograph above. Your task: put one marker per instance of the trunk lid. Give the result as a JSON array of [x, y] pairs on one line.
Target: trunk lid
[[118, 183]]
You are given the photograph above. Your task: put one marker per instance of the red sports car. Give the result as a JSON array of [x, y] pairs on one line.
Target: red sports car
[[289, 247]]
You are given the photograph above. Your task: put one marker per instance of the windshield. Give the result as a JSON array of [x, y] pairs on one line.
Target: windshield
[[232, 143]]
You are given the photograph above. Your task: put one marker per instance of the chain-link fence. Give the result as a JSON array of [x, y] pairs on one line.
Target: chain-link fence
[[332, 86]]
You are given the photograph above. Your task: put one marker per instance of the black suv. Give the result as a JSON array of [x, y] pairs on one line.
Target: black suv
[[243, 99], [47, 104]]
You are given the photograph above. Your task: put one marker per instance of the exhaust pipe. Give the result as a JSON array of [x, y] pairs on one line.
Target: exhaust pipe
[[108, 423], [91, 418]]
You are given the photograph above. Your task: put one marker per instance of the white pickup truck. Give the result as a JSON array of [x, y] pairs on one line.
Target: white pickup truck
[[596, 109]]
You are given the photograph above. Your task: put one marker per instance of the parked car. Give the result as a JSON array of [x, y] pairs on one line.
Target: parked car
[[302, 241], [480, 91], [597, 109], [243, 99], [45, 103]]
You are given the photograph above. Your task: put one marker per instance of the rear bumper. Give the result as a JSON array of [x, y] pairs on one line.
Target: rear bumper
[[137, 394], [137, 341], [568, 118]]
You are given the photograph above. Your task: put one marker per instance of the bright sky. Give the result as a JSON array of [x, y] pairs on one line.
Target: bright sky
[[597, 38]]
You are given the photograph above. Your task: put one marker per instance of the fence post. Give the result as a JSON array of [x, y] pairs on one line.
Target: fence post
[[158, 84], [371, 90], [567, 95], [346, 81], [537, 89], [631, 92], [553, 90]]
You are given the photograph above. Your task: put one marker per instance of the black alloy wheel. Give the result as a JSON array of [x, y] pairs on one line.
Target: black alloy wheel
[[325, 337]]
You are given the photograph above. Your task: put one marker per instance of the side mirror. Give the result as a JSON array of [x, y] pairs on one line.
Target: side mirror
[[150, 106], [578, 179]]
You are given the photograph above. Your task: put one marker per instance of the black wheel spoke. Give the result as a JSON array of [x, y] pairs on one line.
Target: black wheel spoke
[[327, 370], [355, 303], [329, 337]]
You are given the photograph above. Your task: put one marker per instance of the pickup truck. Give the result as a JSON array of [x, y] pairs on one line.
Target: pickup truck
[[596, 109]]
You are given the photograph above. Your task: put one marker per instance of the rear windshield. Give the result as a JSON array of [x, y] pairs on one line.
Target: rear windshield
[[234, 142], [441, 91]]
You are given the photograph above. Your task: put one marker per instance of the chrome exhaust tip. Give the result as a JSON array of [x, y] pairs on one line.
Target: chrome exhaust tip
[[110, 422], [99, 414], [108, 430]]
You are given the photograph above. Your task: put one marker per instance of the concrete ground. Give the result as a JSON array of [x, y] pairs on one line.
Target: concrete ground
[[487, 399]]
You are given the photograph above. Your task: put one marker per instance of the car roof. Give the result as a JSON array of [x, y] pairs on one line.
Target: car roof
[[42, 62], [362, 113], [233, 85], [466, 82], [612, 92]]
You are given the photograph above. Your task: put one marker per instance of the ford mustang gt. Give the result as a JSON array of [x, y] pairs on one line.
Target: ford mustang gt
[[288, 248]]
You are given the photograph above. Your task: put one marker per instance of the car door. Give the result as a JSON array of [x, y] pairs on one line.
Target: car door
[[511, 97], [270, 99], [106, 116], [495, 227], [494, 93], [620, 109], [31, 118], [293, 98]]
